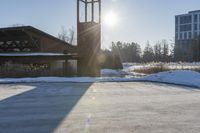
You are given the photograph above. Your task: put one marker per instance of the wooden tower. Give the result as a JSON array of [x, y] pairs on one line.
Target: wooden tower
[[89, 37]]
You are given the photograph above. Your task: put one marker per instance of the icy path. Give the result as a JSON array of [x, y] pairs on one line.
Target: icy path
[[98, 108]]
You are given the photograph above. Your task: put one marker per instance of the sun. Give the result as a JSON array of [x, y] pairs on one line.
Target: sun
[[110, 19]]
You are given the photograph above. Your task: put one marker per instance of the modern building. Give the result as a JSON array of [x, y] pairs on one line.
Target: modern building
[[187, 29]]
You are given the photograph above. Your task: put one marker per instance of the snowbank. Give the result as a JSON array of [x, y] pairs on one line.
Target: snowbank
[[110, 72], [181, 77], [31, 54], [59, 79]]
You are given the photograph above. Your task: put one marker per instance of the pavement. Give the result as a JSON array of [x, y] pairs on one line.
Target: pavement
[[99, 108]]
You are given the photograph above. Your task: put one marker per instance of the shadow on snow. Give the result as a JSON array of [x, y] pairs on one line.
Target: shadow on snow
[[43, 107]]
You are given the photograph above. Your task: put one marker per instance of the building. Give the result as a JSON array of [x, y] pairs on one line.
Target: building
[[187, 29], [39, 53]]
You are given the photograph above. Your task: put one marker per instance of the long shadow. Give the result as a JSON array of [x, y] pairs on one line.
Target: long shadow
[[40, 110]]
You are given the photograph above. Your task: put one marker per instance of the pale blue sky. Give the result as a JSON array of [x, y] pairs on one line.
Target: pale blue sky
[[139, 20]]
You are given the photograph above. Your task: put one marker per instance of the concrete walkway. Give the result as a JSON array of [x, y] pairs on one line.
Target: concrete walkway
[[99, 108]]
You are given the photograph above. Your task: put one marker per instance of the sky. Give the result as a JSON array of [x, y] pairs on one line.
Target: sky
[[137, 20]]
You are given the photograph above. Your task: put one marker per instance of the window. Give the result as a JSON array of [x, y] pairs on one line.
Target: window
[[195, 18], [189, 35], [187, 27], [176, 36], [185, 19], [195, 26], [199, 17], [177, 20], [195, 34], [199, 26], [185, 35], [181, 37]]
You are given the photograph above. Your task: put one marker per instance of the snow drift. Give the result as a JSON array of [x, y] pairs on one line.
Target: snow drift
[[181, 77]]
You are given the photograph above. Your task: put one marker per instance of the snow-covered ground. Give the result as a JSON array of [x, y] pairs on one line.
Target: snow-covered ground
[[113, 73], [180, 77], [99, 108], [31, 54], [63, 79]]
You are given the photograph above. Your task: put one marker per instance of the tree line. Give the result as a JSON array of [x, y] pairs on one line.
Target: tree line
[[162, 51]]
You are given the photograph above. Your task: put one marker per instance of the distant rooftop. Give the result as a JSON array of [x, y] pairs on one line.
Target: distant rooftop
[[196, 11]]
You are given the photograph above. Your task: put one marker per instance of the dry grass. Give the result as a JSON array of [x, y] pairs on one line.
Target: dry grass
[[152, 69], [160, 68]]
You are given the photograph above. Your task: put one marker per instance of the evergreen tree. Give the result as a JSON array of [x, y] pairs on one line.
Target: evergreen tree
[[148, 54]]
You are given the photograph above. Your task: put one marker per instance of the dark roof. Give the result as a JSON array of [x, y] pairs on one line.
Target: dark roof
[[34, 30], [194, 11]]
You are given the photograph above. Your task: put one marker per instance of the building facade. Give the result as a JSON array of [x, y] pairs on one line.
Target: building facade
[[29, 52], [187, 29]]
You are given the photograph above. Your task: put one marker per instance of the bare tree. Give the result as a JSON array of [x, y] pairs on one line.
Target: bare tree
[[67, 35]]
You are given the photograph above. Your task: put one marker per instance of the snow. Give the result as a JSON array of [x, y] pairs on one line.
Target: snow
[[60, 79], [31, 54], [110, 72], [98, 108], [181, 77]]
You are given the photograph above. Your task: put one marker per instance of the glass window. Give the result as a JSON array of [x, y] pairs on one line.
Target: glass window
[[189, 19], [181, 37], [176, 20], [195, 18], [187, 27], [176, 28], [195, 26], [195, 34], [199, 17], [185, 19], [176, 36], [185, 35], [190, 35]]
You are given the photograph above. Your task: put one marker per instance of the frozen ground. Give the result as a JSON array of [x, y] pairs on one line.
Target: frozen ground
[[98, 108], [180, 77]]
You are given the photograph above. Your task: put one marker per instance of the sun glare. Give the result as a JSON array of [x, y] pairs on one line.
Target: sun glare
[[110, 19]]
